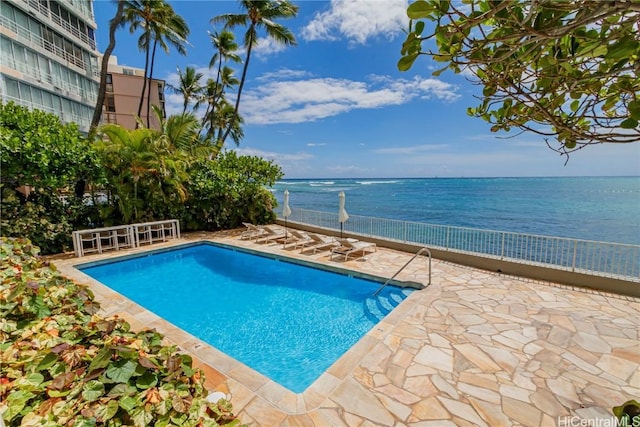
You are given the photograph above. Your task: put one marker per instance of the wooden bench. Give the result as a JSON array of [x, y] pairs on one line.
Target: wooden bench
[[98, 240]]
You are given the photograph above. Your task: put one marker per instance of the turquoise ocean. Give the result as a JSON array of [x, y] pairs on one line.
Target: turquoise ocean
[[591, 208]]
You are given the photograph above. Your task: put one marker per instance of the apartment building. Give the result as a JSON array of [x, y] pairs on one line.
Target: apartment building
[[49, 59], [122, 96]]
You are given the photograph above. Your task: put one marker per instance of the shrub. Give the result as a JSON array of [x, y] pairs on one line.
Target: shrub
[[49, 158], [229, 190], [62, 364]]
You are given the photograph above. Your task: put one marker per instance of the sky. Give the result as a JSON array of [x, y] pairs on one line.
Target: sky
[[336, 106]]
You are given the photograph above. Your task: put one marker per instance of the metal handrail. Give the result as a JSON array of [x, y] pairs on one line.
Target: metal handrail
[[403, 267]]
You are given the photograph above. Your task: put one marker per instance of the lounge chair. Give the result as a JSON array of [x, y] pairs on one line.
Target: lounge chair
[[252, 231], [296, 239], [271, 234], [320, 242], [350, 247]]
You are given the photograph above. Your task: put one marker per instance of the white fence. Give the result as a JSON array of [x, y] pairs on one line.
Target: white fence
[[591, 257]]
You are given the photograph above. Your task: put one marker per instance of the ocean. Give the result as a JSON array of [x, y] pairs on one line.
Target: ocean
[[591, 208]]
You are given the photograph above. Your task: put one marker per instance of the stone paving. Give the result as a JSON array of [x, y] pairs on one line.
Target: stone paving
[[474, 348]]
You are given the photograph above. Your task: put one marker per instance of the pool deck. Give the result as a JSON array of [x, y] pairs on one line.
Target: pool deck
[[474, 348]]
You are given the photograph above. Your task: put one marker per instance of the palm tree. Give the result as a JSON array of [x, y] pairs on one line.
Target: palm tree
[[128, 157], [259, 14], [226, 48], [116, 21], [190, 87], [214, 95], [170, 29], [160, 25]]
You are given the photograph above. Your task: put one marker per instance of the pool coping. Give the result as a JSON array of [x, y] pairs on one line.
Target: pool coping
[[234, 371]]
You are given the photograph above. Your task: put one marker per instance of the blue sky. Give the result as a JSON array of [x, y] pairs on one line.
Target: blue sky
[[336, 106]]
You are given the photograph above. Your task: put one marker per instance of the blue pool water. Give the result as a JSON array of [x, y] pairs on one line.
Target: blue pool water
[[287, 321]]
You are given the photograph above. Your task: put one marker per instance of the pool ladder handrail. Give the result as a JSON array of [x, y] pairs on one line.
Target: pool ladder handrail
[[403, 267]]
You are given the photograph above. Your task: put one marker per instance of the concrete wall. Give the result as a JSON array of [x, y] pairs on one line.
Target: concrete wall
[[126, 92], [538, 272]]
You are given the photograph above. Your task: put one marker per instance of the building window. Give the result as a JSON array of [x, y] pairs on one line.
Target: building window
[[110, 103], [128, 72]]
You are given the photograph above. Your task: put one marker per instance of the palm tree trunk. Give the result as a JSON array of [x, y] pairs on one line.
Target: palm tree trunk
[[102, 88], [153, 58], [146, 69], [244, 76]]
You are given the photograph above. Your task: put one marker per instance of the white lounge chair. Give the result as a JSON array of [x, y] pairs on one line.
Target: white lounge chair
[[252, 231], [271, 234], [350, 247], [296, 239], [320, 242]]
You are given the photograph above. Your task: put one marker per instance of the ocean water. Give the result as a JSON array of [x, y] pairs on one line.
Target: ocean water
[[591, 208]]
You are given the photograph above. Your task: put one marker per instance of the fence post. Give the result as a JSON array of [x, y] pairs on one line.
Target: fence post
[[502, 247], [575, 252]]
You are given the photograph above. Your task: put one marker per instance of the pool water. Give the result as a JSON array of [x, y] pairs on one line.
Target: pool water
[[287, 321]]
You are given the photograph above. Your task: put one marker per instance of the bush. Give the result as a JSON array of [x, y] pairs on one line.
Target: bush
[[48, 158], [229, 190], [62, 364]]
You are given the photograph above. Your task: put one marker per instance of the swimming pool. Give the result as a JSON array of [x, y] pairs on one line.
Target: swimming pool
[[287, 321]]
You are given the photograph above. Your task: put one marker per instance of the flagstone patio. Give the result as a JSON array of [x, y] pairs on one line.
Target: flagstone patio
[[474, 348]]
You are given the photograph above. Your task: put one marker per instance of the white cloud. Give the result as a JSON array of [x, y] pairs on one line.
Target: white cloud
[[267, 46], [292, 164], [316, 144], [271, 155], [295, 96], [358, 20], [283, 73], [298, 101]]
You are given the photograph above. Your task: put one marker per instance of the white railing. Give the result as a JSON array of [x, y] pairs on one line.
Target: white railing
[[586, 256], [43, 10], [24, 35]]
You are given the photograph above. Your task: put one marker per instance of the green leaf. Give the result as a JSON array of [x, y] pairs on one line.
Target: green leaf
[[147, 380], [17, 401], [127, 403], [406, 62], [488, 91], [84, 422], [629, 123], [122, 390], [437, 73], [574, 105], [121, 370], [47, 361], [108, 411], [420, 9], [93, 390], [419, 28], [101, 360], [624, 48]]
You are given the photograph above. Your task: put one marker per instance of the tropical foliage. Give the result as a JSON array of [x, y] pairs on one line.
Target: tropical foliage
[[63, 364], [566, 70], [44, 167], [231, 190], [161, 26], [258, 15], [54, 181]]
